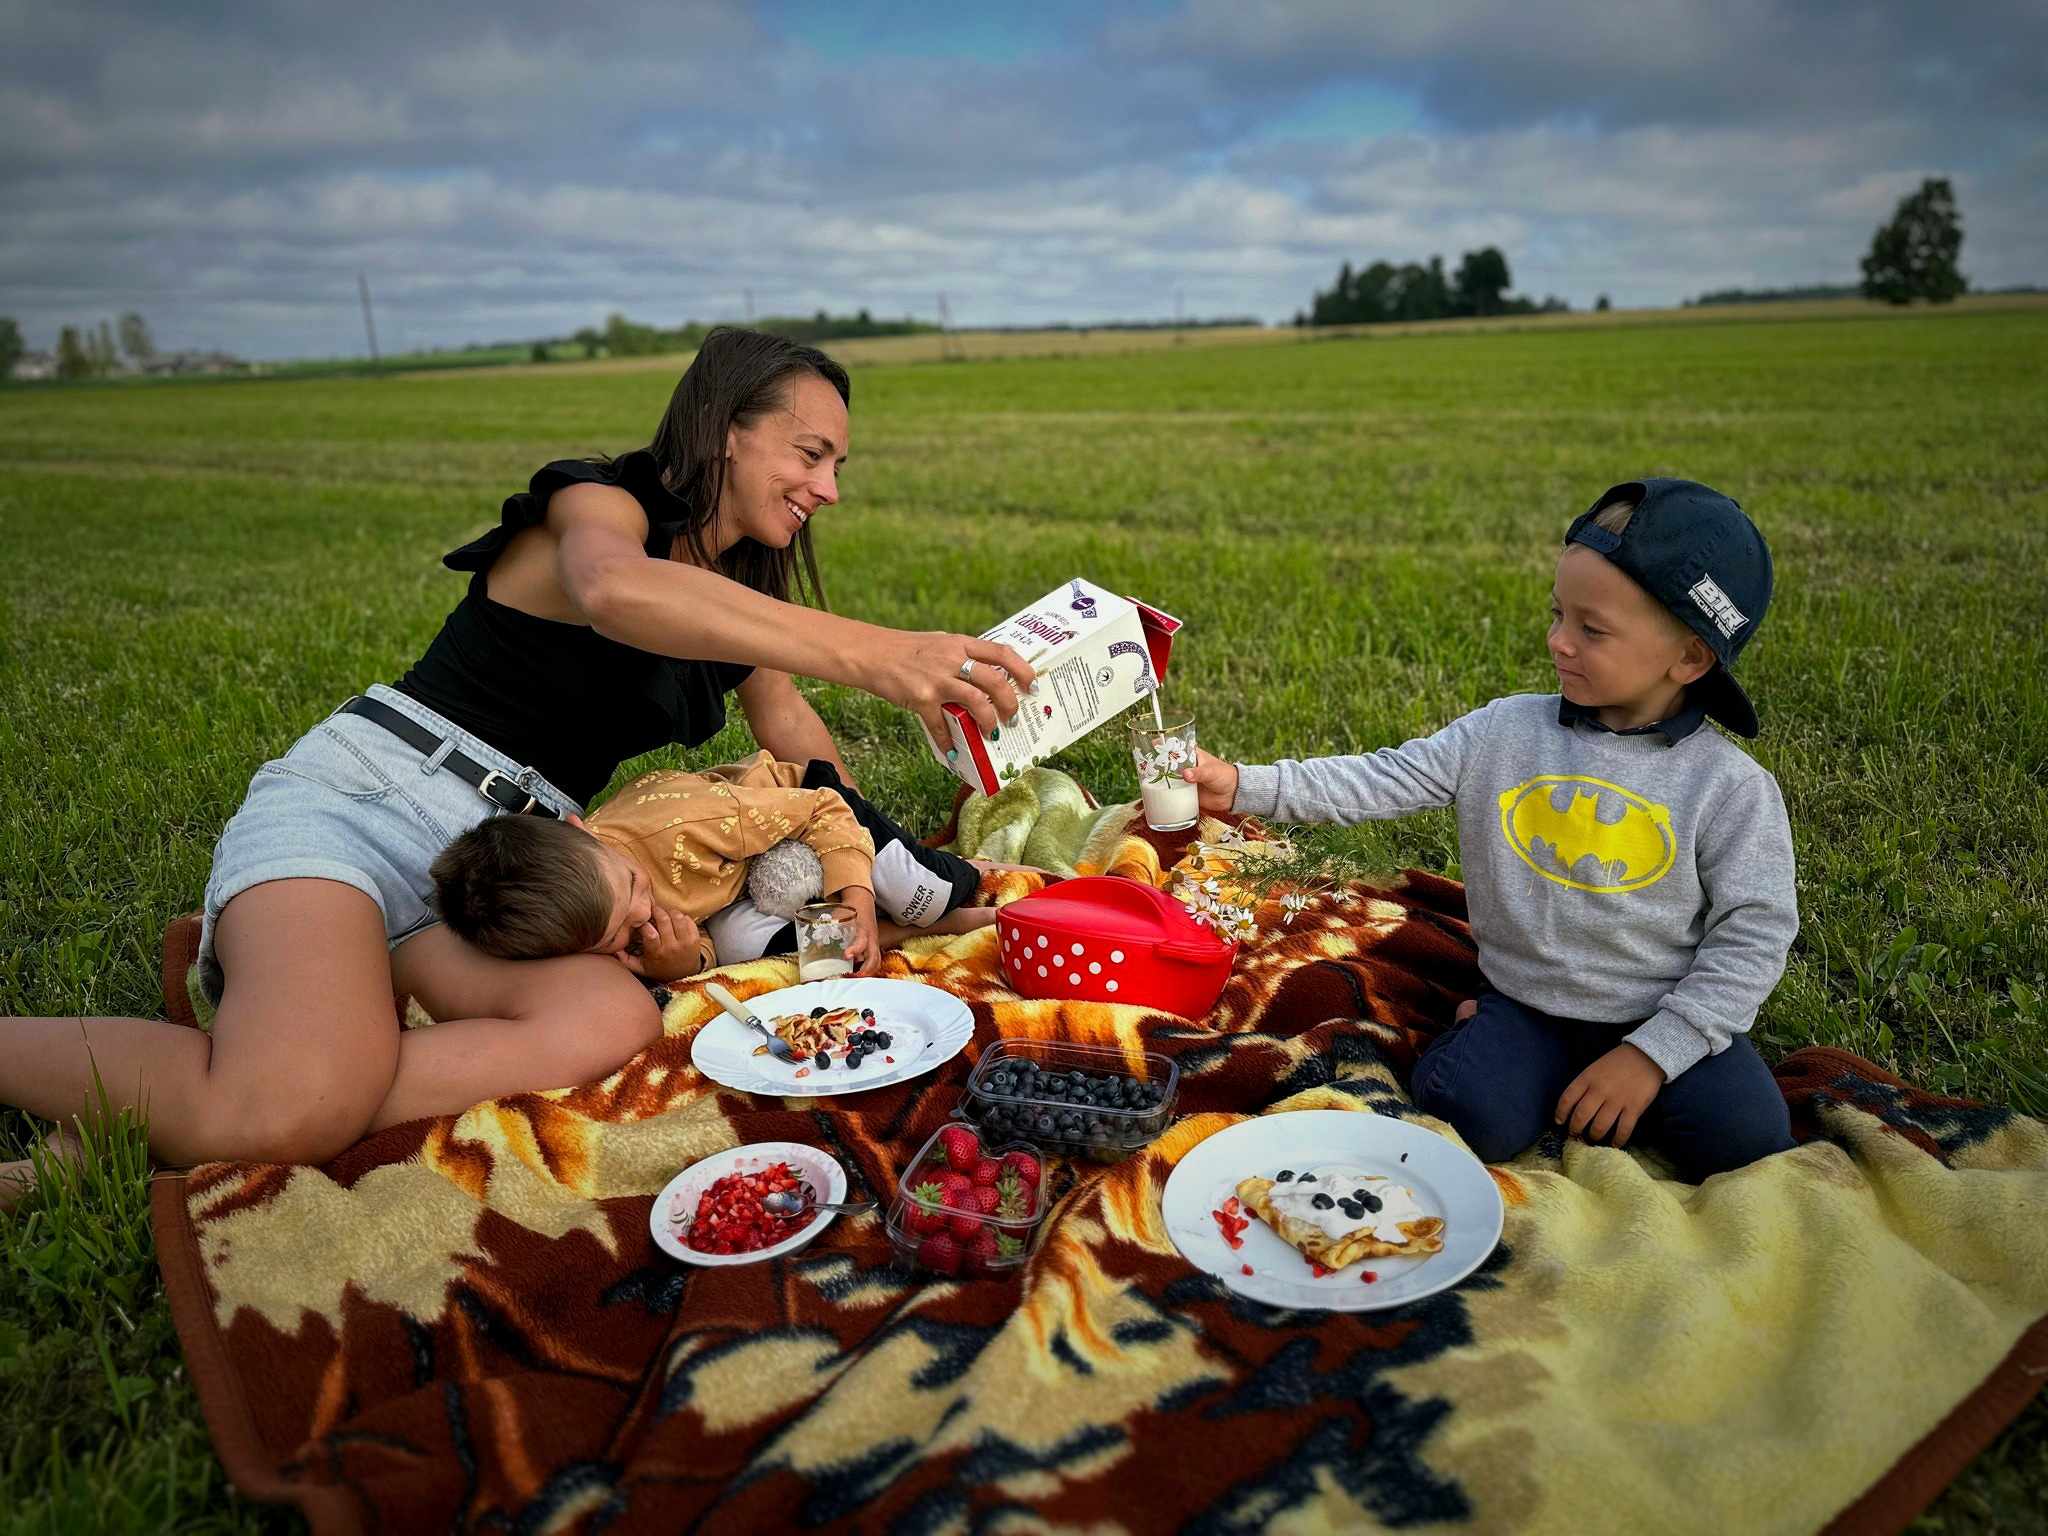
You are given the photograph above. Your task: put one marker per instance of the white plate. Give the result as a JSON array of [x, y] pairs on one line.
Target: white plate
[[926, 1026], [1448, 1181], [820, 1169]]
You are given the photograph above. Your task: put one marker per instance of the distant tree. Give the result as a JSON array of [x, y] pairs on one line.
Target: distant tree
[[623, 338], [590, 340], [1914, 256], [1435, 299], [136, 340], [1409, 292], [11, 346], [1482, 279], [104, 351], [1376, 292], [1602, 304], [540, 352], [73, 361]]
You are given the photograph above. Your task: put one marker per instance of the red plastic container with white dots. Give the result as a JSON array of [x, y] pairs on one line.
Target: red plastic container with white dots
[[1105, 939]]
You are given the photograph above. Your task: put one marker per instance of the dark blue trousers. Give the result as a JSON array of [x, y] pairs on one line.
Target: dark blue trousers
[[1498, 1076]]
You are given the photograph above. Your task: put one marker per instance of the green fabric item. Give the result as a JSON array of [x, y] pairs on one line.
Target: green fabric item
[[202, 1005], [1041, 817]]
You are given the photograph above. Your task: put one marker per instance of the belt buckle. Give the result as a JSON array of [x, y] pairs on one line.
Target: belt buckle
[[491, 777]]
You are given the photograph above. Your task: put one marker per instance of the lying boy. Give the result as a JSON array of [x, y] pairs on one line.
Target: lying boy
[[656, 874], [1629, 873]]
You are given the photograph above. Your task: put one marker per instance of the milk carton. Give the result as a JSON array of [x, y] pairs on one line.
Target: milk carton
[[1095, 655]]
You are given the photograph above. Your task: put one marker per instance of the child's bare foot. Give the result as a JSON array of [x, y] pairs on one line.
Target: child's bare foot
[[18, 1179], [964, 920]]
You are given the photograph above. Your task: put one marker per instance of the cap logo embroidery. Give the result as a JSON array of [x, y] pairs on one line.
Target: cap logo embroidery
[[1714, 603]]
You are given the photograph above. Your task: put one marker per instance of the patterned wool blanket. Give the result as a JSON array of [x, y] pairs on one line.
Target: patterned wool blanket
[[463, 1322]]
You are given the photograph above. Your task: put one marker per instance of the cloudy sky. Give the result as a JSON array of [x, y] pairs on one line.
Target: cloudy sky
[[524, 168]]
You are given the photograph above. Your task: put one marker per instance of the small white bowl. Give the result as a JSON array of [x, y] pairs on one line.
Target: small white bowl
[[818, 1169]]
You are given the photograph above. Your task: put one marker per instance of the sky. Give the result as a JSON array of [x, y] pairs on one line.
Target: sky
[[227, 167]]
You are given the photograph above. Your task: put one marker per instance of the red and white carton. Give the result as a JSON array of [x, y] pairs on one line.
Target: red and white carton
[[1095, 655]]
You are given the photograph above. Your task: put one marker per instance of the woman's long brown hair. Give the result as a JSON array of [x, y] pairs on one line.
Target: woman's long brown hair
[[737, 377]]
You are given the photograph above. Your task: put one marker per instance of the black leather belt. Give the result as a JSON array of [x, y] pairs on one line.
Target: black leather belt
[[505, 793]]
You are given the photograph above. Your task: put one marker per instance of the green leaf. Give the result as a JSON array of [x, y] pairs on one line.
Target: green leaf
[[131, 1389]]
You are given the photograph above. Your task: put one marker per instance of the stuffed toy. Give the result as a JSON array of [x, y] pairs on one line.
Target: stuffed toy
[[784, 878]]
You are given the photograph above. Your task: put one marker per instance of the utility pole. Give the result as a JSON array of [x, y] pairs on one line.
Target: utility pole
[[369, 324], [949, 344]]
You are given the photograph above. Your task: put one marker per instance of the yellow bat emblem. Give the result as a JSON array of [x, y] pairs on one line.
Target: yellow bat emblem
[[1631, 851]]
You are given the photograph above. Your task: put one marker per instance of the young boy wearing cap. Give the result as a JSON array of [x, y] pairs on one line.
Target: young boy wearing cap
[[1628, 872]]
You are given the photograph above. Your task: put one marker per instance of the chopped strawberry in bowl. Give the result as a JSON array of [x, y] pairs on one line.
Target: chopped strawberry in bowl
[[964, 1207], [711, 1213]]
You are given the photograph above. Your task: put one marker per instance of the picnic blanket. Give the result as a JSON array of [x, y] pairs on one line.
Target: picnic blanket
[[463, 1322]]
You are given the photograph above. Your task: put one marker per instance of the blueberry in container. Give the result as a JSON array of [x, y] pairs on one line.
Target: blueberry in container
[[1084, 1099]]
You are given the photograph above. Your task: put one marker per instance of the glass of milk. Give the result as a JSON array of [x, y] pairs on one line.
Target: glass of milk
[[1162, 748], [822, 930]]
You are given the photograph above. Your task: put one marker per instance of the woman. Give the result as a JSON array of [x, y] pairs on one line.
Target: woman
[[563, 660]]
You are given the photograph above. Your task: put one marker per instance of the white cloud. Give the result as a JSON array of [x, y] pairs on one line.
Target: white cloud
[[507, 172]]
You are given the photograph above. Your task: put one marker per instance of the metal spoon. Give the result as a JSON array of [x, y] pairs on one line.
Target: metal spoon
[[739, 1010], [787, 1202]]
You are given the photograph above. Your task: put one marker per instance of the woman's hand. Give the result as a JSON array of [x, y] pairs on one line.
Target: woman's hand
[[1215, 780], [669, 948], [921, 672], [864, 949]]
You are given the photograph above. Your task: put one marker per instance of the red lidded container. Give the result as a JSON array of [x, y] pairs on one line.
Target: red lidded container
[[1109, 940]]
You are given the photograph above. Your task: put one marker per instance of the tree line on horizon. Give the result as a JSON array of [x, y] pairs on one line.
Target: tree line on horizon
[[622, 337], [85, 352], [1383, 293], [1913, 256]]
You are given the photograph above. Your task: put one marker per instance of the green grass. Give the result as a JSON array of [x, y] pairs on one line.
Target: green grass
[[1359, 533]]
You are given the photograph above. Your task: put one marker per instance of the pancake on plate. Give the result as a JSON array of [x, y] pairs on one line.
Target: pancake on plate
[[1337, 1216], [807, 1034]]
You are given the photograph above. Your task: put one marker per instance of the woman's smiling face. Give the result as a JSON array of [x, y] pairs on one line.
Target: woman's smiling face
[[784, 466]]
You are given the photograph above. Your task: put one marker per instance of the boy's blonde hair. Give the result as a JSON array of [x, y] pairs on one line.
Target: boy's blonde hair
[[1614, 517], [524, 888]]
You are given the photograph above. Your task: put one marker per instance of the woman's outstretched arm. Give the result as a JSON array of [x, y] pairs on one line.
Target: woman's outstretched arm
[[675, 609]]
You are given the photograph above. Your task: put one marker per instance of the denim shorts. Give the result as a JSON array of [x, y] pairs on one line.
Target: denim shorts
[[352, 802]]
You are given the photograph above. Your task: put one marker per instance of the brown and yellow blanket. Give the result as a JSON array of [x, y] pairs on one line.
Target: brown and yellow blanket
[[462, 1323]]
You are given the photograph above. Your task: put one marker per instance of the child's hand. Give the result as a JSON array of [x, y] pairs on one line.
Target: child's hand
[[669, 948], [1215, 779], [1611, 1095], [864, 949]]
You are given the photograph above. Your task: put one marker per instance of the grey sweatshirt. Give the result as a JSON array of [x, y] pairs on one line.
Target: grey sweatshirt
[[1609, 877]]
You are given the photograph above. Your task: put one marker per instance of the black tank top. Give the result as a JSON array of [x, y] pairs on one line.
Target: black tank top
[[561, 698]]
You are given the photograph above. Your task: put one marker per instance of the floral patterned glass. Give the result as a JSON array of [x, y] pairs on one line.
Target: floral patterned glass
[[1172, 804], [822, 929]]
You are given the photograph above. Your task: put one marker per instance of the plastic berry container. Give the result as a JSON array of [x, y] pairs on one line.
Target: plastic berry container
[[1069, 1097], [948, 1232]]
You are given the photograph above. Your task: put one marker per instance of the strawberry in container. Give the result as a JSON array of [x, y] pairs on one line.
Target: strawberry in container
[[1105, 939], [967, 1207]]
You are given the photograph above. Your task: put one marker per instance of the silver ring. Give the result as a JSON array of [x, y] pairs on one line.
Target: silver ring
[[967, 670]]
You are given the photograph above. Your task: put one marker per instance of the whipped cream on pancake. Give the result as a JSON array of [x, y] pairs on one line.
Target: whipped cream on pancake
[[1342, 1187]]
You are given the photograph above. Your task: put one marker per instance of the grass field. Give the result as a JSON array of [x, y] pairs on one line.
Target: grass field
[[1359, 533]]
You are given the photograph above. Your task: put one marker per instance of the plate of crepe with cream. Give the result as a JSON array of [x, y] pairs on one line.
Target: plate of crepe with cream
[[1336, 1209]]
